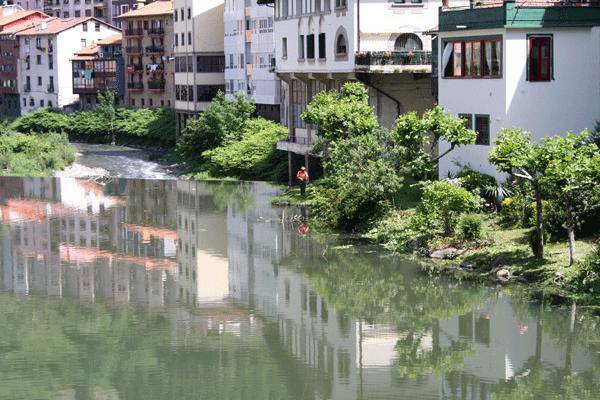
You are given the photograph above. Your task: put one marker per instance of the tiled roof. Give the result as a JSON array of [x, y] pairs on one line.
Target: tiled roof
[[18, 28], [89, 50], [55, 25], [114, 39], [17, 15], [159, 7]]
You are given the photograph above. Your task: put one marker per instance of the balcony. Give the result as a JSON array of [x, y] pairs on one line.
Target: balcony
[[50, 88], [134, 32], [135, 86], [131, 68], [156, 85], [155, 50], [134, 50], [417, 61], [156, 31]]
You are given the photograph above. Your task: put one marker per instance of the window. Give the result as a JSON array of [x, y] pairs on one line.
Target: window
[[482, 127], [83, 43], [301, 47], [176, 40], [41, 103], [340, 45], [151, 102], [340, 3], [322, 49], [408, 42], [189, 13], [182, 39], [84, 26], [38, 59], [65, 15], [143, 102], [540, 59], [189, 38], [175, 15], [88, 13], [210, 63], [310, 47], [190, 63], [284, 48], [190, 92], [480, 58], [77, 13], [97, 27], [39, 81], [181, 14]]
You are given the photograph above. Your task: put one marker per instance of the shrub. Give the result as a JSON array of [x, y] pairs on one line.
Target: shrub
[[533, 242], [255, 156], [43, 120], [470, 226], [34, 155], [476, 182], [515, 211], [442, 202], [396, 230], [587, 273]]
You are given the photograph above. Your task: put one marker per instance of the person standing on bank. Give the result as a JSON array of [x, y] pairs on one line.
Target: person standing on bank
[[302, 176]]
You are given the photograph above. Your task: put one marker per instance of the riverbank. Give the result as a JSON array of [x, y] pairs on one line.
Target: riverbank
[[502, 255]]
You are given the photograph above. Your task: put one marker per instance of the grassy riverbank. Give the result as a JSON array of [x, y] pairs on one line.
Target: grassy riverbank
[[34, 155]]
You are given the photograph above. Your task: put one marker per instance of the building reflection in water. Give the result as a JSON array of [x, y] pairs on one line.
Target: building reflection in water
[[221, 259]]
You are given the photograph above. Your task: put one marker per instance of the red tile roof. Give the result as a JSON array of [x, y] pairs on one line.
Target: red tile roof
[[114, 39], [57, 25], [159, 7], [17, 15]]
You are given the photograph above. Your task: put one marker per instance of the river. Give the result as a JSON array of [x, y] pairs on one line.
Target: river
[[170, 289]]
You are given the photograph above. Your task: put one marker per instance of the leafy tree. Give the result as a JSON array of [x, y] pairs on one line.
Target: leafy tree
[[221, 122], [254, 156], [517, 155], [43, 120], [570, 164], [443, 202], [419, 137], [106, 109], [342, 114]]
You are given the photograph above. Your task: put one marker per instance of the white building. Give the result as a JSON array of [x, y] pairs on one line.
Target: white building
[[199, 57], [323, 43], [45, 53], [539, 72], [249, 55]]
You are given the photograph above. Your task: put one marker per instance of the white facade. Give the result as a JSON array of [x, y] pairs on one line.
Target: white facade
[[198, 52], [570, 101], [45, 61], [249, 54]]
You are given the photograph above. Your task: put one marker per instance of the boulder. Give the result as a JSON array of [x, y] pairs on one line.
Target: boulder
[[445, 254]]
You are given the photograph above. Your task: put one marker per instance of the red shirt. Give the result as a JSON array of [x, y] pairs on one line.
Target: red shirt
[[302, 175]]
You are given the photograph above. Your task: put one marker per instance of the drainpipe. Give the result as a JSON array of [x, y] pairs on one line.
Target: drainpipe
[[367, 81], [358, 25]]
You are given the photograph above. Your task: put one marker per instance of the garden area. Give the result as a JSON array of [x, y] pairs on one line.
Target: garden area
[[538, 227]]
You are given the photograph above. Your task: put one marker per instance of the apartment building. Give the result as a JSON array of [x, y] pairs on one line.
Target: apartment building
[[45, 52], [322, 44], [99, 68], [517, 64], [250, 55], [13, 19], [148, 51], [199, 56]]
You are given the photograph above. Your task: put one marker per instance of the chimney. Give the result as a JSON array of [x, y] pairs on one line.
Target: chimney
[[140, 3], [43, 25]]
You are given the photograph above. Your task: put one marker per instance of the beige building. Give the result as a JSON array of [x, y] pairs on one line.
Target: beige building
[[199, 56], [147, 51]]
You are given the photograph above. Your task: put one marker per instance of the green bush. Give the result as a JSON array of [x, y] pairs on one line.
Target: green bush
[[44, 120], [255, 156], [532, 240], [478, 183], [587, 273], [442, 203], [471, 226], [34, 155], [396, 231]]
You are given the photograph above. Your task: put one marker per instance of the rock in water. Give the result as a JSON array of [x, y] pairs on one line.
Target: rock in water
[[444, 254]]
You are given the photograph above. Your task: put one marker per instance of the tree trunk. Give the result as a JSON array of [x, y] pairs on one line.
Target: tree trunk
[[539, 228], [570, 228]]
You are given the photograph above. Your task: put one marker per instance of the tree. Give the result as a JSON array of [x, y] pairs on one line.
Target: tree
[[106, 109], [571, 163], [221, 122], [419, 137], [342, 114], [517, 155]]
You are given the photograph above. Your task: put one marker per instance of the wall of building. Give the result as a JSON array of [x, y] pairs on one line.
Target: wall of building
[[570, 102]]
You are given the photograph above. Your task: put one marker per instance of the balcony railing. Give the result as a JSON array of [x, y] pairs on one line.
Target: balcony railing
[[156, 31], [135, 68], [134, 49], [134, 32], [382, 58], [155, 49], [156, 84], [135, 86]]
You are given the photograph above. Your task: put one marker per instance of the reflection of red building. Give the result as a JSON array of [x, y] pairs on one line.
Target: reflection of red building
[[10, 24]]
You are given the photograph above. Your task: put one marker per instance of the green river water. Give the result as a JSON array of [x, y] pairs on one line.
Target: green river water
[[138, 289]]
